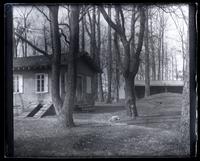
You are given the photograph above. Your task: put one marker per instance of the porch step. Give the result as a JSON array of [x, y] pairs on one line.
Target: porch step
[[42, 110]]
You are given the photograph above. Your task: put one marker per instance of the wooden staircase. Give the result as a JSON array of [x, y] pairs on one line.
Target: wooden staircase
[[37, 111], [42, 110]]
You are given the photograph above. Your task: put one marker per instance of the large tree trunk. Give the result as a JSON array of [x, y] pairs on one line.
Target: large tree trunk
[[130, 97], [185, 112], [109, 71], [56, 49], [116, 54], [68, 104], [188, 126], [130, 62], [147, 75]]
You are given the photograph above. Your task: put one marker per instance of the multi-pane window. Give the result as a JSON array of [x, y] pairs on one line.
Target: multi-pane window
[[17, 83], [41, 83]]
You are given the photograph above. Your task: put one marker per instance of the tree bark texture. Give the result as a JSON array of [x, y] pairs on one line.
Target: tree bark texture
[[147, 74], [130, 64], [116, 54], [185, 139], [109, 69], [56, 50], [69, 100]]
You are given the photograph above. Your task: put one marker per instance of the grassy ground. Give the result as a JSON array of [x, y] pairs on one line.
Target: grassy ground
[[153, 133]]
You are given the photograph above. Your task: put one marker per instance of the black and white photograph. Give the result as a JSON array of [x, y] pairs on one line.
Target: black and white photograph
[[101, 80]]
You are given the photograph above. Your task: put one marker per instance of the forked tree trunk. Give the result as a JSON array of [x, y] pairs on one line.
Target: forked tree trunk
[[69, 100], [131, 62], [56, 50]]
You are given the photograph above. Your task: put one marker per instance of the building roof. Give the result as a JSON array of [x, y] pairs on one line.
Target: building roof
[[160, 83], [41, 61]]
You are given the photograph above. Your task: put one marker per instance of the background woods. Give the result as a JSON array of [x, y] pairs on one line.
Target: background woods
[[128, 42]]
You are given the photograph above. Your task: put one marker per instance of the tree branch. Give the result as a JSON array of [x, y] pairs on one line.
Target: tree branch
[[64, 24], [184, 17], [110, 22], [122, 17], [43, 13], [33, 46], [29, 12], [87, 30], [142, 28], [84, 13], [65, 37]]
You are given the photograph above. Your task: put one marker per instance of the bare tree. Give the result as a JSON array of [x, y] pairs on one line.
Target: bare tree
[[130, 63], [25, 14], [64, 110], [68, 104], [56, 50]]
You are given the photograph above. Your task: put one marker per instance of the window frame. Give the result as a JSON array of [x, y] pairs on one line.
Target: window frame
[[18, 76], [40, 80]]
